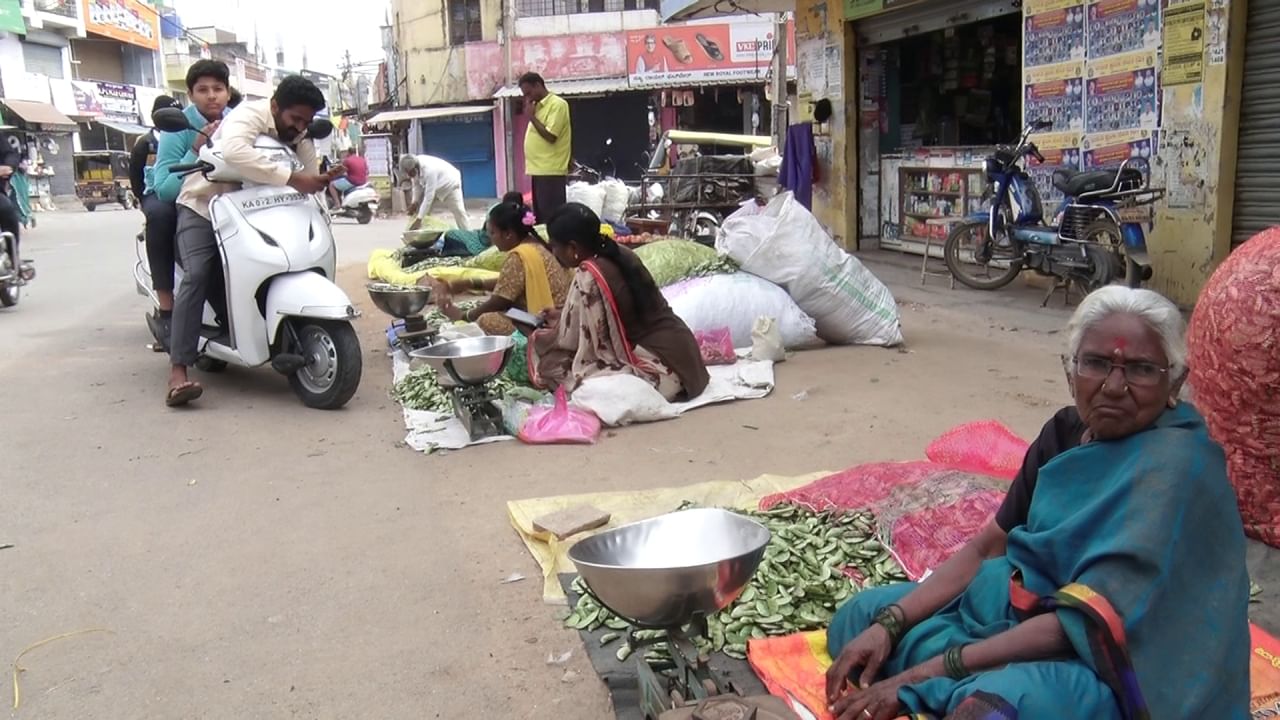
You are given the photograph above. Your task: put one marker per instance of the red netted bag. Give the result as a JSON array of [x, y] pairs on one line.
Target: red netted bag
[[1234, 344], [986, 447]]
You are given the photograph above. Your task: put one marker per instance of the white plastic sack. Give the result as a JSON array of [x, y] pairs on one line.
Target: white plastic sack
[[786, 244], [766, 341], [590, 195], [622, 400], [616, 198], [736, 301]]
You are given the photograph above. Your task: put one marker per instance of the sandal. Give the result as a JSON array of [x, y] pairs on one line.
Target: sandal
[[710, 47], [180, 395]]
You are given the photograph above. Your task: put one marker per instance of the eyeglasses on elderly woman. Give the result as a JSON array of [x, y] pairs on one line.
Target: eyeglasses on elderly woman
[[1100, 367]]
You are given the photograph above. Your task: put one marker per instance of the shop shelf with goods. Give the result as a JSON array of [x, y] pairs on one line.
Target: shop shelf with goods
[[933, 200]]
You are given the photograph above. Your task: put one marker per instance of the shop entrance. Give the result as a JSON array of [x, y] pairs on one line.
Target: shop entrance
[[935, 98], [1257, 171]]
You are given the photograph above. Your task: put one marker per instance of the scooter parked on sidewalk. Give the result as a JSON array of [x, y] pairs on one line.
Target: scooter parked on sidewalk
[[360, 202], [279, 258], [1098, 240]]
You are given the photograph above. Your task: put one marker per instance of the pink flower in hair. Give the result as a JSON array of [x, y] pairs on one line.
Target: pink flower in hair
[[528, 219]]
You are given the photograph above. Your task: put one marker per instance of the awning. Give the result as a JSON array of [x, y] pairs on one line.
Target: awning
[[691, 9], [588, 86], [127, 128], [428, 112], [38, 113]]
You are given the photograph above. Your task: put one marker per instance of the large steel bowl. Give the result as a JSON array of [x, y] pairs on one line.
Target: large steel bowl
[[660, 573], [472, 360], [400, 301]]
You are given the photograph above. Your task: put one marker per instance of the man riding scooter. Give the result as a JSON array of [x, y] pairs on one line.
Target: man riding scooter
[[357, 175], [286, 117]]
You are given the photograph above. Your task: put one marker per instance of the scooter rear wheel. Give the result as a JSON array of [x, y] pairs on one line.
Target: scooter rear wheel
[[364, 216], [333, 363], [962, 252]]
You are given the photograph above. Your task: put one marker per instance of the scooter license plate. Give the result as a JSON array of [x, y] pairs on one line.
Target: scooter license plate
[[1141, 214]]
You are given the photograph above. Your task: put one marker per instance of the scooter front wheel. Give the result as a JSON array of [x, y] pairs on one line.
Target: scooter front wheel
[[968, 254], [333, 366]]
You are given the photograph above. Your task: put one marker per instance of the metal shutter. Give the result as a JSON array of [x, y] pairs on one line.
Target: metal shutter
[[1257, 205], [42, 59]]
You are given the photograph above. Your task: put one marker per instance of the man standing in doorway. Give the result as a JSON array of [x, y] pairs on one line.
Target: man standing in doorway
[[548, 144]]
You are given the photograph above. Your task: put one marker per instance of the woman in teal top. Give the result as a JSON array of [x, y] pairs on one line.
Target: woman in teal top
[[207, 84]]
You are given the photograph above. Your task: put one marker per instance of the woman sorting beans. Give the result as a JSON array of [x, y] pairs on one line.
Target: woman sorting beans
[[530, 278], [614, 320], [1111, 583]]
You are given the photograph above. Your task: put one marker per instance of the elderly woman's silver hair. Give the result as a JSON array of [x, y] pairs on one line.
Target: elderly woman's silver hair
[[1153, 308], [408, 164]]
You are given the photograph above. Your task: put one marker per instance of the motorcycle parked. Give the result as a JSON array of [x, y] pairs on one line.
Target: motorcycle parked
[[283, 306], [1098, 239], [360, 202], [14, 271]]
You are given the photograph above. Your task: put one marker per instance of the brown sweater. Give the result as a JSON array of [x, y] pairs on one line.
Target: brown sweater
[[657, 329]]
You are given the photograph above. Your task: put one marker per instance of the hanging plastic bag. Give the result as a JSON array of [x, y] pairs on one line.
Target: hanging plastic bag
[[766, 340], [560, 425], [716, 346]]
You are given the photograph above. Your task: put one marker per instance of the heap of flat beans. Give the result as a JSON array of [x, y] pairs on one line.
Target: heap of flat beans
[[420, 390], [798, 586]]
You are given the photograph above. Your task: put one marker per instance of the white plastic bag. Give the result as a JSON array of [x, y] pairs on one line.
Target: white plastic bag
[[735, 301], [616, 198], [787, 245], [590, 195], [766, 341], [622, 400]]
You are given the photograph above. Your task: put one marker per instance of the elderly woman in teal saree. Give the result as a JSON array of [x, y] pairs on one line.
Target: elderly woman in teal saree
[[1112, 582]]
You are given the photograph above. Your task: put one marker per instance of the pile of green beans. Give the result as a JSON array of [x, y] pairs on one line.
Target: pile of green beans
[[798, 586], [420, 390]]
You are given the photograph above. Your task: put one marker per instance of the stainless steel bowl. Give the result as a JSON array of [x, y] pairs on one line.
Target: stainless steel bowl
[[399, 300], [661, 572], [474, 360]]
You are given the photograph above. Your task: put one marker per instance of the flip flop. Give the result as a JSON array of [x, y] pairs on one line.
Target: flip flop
[[710, 47], [182, 394]]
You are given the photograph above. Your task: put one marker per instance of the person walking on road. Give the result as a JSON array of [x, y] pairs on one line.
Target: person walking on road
[[435, 182], [548, 144]]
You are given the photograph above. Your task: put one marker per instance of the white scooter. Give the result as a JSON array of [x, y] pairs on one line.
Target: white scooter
[[279, 263], [360, 202]]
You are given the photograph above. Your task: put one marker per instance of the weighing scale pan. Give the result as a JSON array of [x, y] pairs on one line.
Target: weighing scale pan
[[469, 361], [665, 571], [399, 300]]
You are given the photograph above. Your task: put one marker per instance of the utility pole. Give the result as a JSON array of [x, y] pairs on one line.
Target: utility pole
[[780, 81], [508, 119]]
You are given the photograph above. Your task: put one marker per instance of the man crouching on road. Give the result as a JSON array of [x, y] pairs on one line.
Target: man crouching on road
[[285, 116]]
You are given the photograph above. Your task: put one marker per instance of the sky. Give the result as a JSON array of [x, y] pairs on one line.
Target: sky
[[327, 29]]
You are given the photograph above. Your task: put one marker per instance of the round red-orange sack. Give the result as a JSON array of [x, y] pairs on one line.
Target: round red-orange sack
[[1234, 356]]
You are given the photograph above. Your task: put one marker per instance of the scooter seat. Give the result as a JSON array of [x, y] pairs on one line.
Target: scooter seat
[[1073, 183]]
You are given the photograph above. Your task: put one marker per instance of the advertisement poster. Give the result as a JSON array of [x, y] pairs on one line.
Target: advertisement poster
[[1108, 150], [86, 93], [1053, 93], [118, 102], [1061, 151], [1183, 43], [703, 53], [1122, 93], [129, 21], [1121, 26], [1054, 32]]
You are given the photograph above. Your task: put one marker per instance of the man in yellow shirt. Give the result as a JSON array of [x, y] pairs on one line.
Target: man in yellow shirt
[[548, 144]]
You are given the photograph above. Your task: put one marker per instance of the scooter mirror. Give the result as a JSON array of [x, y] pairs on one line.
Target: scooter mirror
[[319, 129], [170, 120]]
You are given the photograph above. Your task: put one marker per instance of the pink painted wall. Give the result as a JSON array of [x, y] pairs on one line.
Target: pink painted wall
[[560, 57]]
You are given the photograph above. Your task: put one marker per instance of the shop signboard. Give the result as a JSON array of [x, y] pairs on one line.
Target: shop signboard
[[1053, 32], [559, 57], [65, 8], [129, 21], [1121, 93], [1053, 93], [690, 54], [87, 104], [857, 9], [11, 20], [118, 102]]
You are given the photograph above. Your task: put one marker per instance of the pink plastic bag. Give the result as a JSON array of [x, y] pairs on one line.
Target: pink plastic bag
[[716, 346], [560, 425]]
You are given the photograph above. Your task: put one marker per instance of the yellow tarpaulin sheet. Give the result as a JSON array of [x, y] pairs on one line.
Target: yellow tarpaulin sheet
[[632, 506], [384, 267]]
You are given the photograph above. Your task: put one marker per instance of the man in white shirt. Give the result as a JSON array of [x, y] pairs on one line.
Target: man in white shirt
[[286, 117], [435, 183]]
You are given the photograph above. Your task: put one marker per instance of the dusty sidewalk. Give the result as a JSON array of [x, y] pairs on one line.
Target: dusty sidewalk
[[255, 559]]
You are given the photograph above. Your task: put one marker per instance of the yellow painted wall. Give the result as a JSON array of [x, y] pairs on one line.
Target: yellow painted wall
[[435, 72], [835, 197]]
